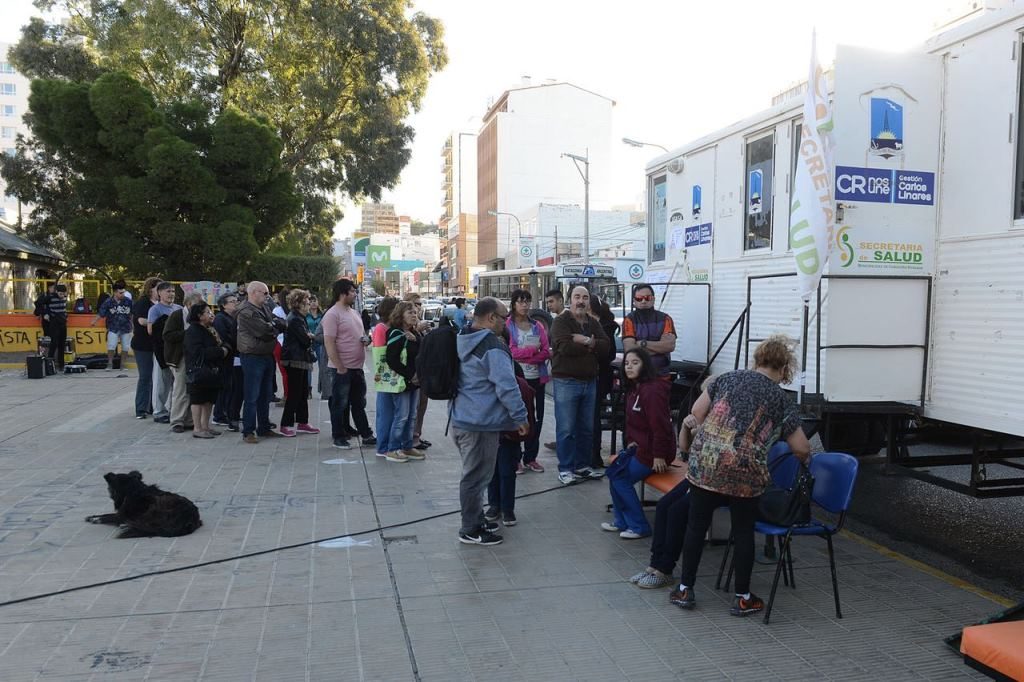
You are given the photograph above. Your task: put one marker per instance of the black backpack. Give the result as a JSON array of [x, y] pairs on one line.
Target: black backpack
[[437, 364]]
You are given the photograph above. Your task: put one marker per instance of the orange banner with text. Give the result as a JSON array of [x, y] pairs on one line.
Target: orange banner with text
[[20, 332]]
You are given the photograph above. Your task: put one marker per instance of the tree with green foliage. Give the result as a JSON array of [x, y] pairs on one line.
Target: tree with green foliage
[[176, 190], [335, 78]]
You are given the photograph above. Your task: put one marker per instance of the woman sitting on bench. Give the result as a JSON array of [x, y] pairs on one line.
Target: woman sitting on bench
[[651, 445], [670, 515]]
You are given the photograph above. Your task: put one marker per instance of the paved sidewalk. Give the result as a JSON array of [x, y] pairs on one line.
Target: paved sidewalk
[[551, 603]]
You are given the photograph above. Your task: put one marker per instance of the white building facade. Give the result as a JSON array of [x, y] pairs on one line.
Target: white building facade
[[520, 163], [14, 91]]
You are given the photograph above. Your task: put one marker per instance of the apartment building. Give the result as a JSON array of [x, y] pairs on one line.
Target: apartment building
[[520, 164], [457, 225], [14, 91], [379, 219]]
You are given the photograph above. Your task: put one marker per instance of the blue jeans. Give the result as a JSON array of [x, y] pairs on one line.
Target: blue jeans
[[257, 387], [144, 386], [623, 475], [574, 422], [382, 422], [348, 392], [396, 416], [501, 493], [532, 446]]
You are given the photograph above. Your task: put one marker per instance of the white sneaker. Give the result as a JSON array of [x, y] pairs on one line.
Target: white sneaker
[[610, 527], [567, 477], [630, 535]]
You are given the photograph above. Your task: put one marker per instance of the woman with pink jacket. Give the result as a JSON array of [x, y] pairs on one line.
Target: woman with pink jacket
[[528, 341]]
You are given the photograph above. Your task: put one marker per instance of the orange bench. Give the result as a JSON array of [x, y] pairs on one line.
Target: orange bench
[[667, 480], [995, 649]]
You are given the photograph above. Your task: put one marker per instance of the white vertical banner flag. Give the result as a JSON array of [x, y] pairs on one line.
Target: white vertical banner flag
[[812, 214]]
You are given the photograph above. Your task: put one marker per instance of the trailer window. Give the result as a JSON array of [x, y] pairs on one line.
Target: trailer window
[[1018, 184], [794, 156], [658, 210], [759, 192]]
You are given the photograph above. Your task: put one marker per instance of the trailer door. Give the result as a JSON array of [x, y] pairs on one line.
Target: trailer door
[[887, 136]]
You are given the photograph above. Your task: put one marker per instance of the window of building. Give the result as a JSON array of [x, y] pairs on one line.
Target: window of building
[[797, 135], [759, 192], [10, 151], [8, 133], [6, 67], [657, 194], [8, 111], [1018, 183], [8, 89]]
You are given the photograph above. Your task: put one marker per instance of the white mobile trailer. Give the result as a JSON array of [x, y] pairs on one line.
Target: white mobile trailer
[[930, 189]]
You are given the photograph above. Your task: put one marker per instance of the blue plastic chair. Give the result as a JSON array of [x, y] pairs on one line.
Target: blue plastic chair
[[782, 466], [835, 474]]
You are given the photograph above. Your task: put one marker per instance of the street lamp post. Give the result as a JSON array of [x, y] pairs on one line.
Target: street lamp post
[[637, 143], [519, 226], [585, 174]]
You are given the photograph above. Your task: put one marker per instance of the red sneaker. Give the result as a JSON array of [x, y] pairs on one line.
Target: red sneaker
[[306, 428], [535, 466], [287, 432]]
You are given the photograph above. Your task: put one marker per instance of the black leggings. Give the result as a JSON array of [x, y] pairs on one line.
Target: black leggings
[[743, 511], [670, 519], [296, 406]]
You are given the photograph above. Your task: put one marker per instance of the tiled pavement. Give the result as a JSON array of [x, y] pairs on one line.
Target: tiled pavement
[[551, 603]]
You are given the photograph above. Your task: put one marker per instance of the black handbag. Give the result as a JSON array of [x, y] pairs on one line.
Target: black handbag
[[203, 373], [788, 506]]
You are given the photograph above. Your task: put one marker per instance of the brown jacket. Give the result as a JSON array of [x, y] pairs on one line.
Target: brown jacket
[[571, 360], [257, 330]]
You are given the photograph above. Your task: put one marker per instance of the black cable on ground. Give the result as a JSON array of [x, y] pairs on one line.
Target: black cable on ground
[[249, 555]]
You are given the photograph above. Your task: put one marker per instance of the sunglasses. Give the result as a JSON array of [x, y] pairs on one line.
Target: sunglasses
[[642, 298]]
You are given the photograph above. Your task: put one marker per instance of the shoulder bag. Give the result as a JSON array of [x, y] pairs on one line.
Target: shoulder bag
[[788, 507]]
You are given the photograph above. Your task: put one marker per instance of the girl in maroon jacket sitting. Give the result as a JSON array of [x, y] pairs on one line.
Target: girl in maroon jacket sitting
[[651, 448]]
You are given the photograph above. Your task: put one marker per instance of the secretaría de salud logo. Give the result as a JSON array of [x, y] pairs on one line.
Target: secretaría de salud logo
[[846, 252]]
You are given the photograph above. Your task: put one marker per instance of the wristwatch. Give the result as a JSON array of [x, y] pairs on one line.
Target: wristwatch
[[643, 343]]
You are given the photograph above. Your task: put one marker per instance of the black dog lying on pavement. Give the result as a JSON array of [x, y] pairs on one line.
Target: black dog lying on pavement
[[143, 510]]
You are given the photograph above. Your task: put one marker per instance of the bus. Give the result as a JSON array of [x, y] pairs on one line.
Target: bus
[[598, 278]]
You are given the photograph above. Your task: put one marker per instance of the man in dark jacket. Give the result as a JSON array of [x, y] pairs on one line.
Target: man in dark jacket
[[256, 335], [40, 307], [229, 400], [577, 341], [174, 356]]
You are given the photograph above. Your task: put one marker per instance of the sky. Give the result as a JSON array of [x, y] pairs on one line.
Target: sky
[[678, 70]]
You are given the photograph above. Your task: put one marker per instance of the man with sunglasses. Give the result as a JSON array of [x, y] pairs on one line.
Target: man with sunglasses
[[649, 329]]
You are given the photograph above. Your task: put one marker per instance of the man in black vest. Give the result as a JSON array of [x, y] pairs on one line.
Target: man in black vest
[[650, 329]]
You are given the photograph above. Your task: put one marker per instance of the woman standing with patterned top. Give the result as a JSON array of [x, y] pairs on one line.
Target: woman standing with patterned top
[[737, 420]]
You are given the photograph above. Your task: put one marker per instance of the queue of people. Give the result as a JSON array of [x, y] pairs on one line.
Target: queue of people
[[199, 369]]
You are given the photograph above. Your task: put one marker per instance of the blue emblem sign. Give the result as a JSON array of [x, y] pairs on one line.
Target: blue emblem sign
[[883, 186], [636, 271], [696, 202], [886, 127], [754, 192], [588, 271]]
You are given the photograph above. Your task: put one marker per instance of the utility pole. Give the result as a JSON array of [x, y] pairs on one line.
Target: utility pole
[[585, 174], [556, 244]]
